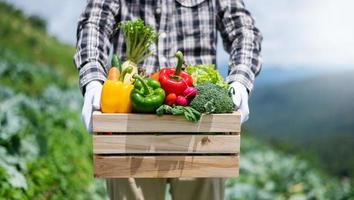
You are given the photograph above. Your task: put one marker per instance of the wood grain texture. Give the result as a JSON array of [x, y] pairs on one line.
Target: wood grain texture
[[165, 166], [104, 122], [115, 144]]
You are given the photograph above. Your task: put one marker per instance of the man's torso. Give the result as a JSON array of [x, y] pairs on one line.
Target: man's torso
[[186, 25]]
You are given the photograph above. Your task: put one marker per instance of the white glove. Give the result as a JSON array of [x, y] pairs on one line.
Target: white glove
[[240, 98], [92, 102]]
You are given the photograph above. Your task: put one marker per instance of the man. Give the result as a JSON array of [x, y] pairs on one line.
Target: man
[[187, 25]]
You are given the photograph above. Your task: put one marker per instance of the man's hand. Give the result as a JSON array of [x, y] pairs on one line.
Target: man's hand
[[92, 102], [240, 99]]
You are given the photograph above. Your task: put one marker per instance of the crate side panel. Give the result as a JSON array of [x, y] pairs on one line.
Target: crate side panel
[[103, 122], [122, 144], [165, 166]]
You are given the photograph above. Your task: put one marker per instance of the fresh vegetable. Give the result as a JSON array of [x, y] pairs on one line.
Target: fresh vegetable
[[115, 70], [212, 98], [147, 95], [138, 39], [181, 101], [189, 113], [115, 96], [113, 74], [155, 76], [175, 80], [206, 74], [170, 99], [190, 92], [116, 62]]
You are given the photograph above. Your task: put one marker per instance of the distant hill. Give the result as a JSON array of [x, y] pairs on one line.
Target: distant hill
[[281, 74], [316, 113], [27, 50], [26, 37]]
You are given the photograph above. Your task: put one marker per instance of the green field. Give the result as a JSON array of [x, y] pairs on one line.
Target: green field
[[313, 117], [45, 153]]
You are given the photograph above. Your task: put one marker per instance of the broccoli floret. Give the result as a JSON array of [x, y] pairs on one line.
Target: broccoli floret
[[212, 98]]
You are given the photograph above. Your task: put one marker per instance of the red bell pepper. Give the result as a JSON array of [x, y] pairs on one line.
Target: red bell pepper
[[175, 80]]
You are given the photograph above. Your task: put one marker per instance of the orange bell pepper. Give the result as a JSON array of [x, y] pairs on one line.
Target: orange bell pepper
[[155, 76], [115, 97]]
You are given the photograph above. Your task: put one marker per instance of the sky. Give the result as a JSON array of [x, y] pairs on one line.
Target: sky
[[316, 33]]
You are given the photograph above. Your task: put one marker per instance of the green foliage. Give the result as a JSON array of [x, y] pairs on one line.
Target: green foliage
[[189, 113], [202, 74], [31, 79], [269, 174], [38, 22], [45, 152], [21, 36]]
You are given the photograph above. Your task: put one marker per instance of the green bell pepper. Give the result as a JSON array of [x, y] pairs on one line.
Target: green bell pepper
[[147, 95]]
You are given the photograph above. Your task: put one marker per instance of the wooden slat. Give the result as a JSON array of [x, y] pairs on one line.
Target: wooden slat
[[165, 166], [104, 122], [113, 144]]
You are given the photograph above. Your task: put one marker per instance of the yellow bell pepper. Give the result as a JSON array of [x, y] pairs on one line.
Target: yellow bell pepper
[[115, 97]]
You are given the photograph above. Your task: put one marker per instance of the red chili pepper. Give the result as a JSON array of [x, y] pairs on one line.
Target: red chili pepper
[[175, 80]]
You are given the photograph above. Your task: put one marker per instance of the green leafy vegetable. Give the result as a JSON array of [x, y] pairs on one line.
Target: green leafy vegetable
[[206, 74], [189, 113], [138, 38]]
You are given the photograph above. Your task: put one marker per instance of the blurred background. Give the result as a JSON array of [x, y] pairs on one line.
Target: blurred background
[[298, 143]]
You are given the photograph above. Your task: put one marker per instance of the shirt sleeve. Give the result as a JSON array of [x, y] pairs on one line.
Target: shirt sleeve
[[242, 40], [94, 31]]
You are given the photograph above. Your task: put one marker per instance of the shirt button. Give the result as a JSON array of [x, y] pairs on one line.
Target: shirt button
[[162, 35]]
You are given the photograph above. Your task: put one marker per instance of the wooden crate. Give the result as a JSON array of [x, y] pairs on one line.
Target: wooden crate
[[149, 146]]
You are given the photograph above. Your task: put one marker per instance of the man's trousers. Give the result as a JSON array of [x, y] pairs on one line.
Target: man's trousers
[[155, 189]]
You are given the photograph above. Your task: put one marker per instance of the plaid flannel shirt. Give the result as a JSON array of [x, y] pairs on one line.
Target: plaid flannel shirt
[[187, 25]]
